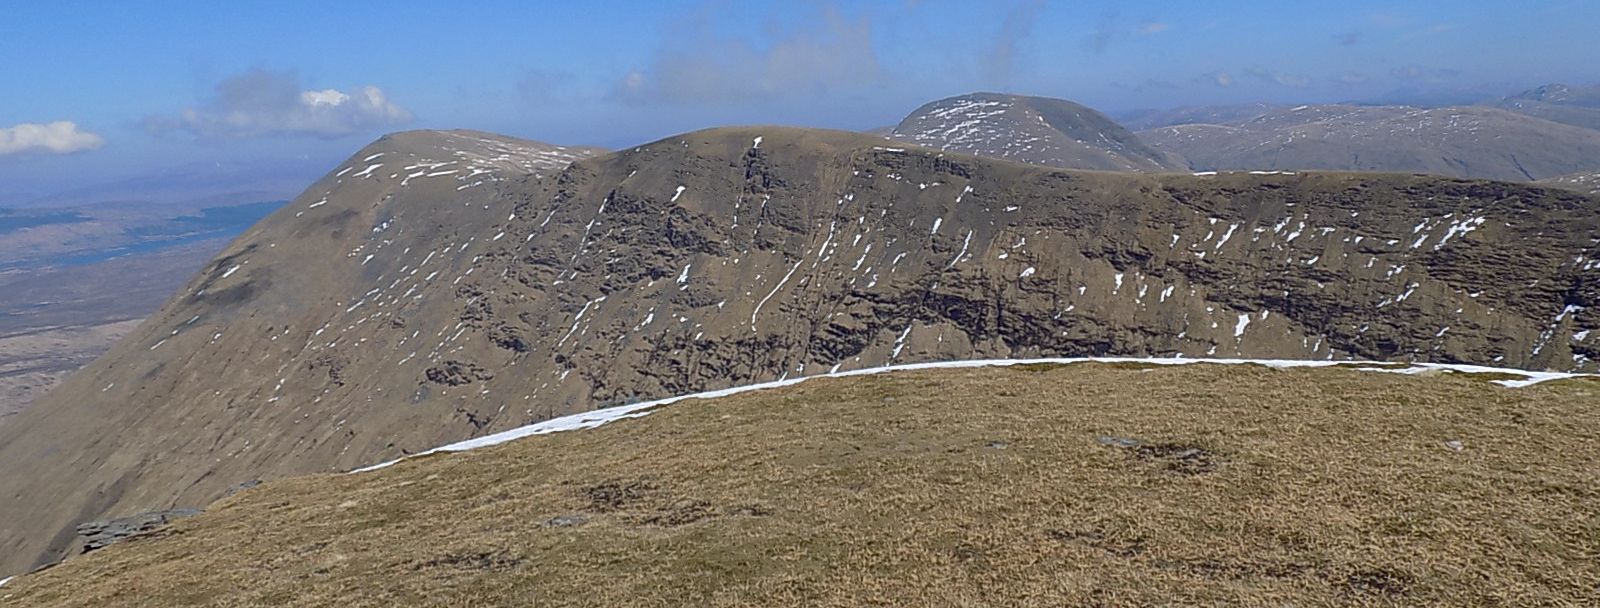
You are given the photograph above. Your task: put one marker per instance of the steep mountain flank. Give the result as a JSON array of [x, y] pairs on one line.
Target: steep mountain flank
[[1469, 142], [1036, 130], [414, 308], [195, 382], [1577, 106], [1033, 485]]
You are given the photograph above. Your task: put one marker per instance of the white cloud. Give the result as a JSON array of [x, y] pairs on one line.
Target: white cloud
[[60, 137], [259, 103], [1001, 60]]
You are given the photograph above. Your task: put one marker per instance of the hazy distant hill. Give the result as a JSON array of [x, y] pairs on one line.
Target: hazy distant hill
[[215, 184], [439, 286], [1036, 130], [1466, 141], [1140, 120], [1579, 106]]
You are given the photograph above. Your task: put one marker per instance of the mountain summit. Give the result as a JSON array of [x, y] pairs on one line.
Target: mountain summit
[[1035, 130]]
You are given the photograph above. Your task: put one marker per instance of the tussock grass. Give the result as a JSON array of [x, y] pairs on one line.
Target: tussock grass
[[1089, 486]]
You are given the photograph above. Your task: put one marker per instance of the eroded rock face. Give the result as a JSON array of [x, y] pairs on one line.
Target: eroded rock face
[[410, 311]]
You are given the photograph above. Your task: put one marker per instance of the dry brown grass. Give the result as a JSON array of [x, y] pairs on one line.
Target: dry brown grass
[[981, 487]]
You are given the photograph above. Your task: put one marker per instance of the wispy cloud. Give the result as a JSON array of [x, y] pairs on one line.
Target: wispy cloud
[[262, 103], [1388, 20], [1106, 31], [1352, 77], [1149, 85], [703, 66], [1153, 27], [1219, 78], [1423, 74], [60, 137], [1298, 81], [542, 86], [1000, 62]]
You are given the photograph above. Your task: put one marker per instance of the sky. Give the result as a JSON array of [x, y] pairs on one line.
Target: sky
[[100, 91]]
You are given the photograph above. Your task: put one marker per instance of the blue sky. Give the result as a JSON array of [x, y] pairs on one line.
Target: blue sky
[[154, 85]]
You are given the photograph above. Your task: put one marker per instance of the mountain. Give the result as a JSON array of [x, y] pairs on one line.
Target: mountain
[[1467, 141], [403, 302], [1104, 484], [1586, 181], [1577, 106], [1036, 130]]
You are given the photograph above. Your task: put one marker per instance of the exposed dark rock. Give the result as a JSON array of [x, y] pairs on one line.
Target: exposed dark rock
[[100, 534]]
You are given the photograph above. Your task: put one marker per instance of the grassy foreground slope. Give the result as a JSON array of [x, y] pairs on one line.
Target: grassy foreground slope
[[1079, 485]]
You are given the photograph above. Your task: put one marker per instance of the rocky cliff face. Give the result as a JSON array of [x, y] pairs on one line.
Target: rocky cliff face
[[1035, 130], [395, 307]]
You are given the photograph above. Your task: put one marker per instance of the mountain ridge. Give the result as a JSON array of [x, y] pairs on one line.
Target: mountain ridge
[[388, 311]]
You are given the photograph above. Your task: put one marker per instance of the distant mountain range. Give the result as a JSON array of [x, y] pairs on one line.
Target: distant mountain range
[[1577, 106], [1188, 115], [212, 184], [1468, 141], [1537, 135]]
